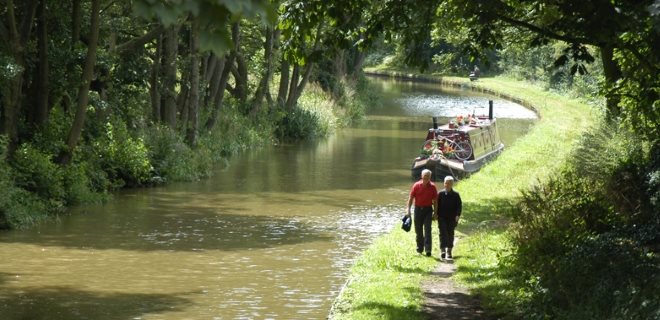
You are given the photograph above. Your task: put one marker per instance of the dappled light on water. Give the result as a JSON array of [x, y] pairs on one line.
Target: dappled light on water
[[450, 106]]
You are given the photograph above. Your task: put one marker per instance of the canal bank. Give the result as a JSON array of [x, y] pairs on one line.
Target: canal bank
[[388, 279]]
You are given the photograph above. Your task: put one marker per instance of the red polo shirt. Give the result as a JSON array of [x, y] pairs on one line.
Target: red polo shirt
[[423, 195]]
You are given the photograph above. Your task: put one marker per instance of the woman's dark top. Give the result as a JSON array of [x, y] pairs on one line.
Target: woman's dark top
[[449, 204]]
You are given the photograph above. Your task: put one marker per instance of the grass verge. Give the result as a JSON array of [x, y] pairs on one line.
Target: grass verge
[[385, 281]]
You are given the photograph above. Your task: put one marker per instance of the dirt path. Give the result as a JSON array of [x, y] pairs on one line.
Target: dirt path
[[444, 299]]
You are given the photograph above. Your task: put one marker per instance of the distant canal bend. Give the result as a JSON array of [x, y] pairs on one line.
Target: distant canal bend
[[272, 236]]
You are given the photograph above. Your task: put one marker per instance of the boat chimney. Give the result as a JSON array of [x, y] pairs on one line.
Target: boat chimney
[[490, 109], [435, 122]]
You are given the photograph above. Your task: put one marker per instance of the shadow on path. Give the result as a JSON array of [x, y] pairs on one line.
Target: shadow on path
[[444, 299]]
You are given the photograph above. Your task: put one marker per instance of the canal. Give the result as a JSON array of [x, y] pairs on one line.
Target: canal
[[272, 235]]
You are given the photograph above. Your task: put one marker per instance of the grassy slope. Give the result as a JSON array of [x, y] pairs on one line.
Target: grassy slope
[[385, 281]]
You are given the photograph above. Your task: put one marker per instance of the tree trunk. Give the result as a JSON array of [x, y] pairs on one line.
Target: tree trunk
[[263, 90], [154, 88], [293, 86], [302, 84], [40, 108], [168, 105], [214, 83], [284, 83], [75, 22], [183, 100], [209, 72], [612, 74], [83, 90], [241, 78], [191, 135], [240, 71], [358, 61], [15, 35], [222, 81], [275, 53], [220, 92], [340, 64], [297, 86]]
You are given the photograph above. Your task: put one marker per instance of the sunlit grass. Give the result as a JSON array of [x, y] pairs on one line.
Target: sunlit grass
[[384, 282], [378, 290]]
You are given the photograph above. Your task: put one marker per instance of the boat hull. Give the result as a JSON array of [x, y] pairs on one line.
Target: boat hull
[[442, 167]]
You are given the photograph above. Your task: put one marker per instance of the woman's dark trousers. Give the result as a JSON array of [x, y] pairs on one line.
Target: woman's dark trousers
[[447, 226]]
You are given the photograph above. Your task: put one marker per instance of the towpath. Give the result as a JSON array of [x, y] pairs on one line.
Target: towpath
[[445, 299]]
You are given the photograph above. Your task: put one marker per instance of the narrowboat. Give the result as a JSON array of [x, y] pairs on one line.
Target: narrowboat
[[460, 147]]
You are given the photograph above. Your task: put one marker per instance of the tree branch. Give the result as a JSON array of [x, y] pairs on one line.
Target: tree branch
[[546, 32], [139, 41], [640, 57], [582, 40]]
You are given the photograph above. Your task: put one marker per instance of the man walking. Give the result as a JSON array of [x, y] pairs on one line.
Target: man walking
[[424, 194], [448, 211]]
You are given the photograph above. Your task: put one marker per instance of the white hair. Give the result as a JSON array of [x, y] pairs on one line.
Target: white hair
[[449, 178], [426, 171]]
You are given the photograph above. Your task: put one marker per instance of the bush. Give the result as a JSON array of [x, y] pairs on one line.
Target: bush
[[123, 158], [171, 157], [174, 160], [84, 184], [18, 207], [234, 133], [35, 172], [299, 124], [593, 228]]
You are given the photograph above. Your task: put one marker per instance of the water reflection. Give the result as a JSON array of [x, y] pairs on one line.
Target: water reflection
[[70, 303], [272, 236]]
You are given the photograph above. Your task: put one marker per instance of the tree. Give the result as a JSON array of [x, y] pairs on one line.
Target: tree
[[627, 34], [193, 109], [211, 17], [15, 35], [83, 90]]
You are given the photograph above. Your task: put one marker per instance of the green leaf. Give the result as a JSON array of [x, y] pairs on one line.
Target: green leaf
[[218, 42]]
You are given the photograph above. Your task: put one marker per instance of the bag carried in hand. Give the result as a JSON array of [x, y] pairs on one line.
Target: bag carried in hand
[[407, 223]]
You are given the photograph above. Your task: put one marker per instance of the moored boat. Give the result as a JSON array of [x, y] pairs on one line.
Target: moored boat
[[460, 147]]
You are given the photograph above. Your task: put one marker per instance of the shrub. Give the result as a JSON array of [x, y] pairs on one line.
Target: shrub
[[6, 185], [21, 208], [18, 207], [84, 185], [234, 133], [171, 157], [35, 172], [593, 228], [125, 159], [299, 124]]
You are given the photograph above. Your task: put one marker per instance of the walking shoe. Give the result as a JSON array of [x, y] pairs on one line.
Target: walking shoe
[[419, 251], [449, 256], [428, 254], [442, 255]]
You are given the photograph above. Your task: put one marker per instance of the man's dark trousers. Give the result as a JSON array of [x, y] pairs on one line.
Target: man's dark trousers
[[423, 220]]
